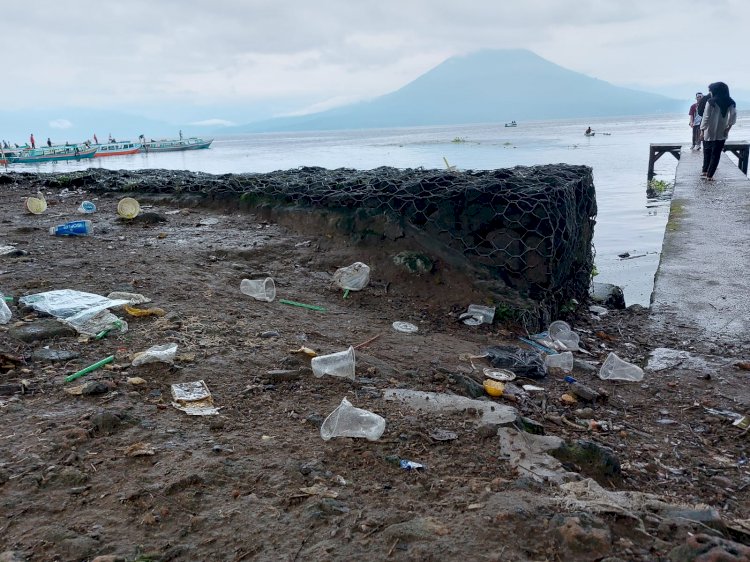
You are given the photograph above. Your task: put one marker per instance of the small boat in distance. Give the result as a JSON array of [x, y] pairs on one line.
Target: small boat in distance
[[169, 145], [511, 124], [120, 148], [52, 154]]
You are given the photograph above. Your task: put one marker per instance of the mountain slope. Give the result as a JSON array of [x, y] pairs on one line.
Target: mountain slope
[[484, 87]]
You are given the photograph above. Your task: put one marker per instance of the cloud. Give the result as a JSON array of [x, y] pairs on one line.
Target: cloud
[[60, 124], [187, 52], [213, 123]]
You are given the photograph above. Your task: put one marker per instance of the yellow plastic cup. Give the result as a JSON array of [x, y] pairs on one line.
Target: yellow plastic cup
[[36, 205], [128, 208]]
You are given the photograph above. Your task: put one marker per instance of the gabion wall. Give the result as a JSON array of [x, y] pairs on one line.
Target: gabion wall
[[525, 233]]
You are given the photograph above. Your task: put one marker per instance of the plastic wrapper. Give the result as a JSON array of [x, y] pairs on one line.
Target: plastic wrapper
[[94, 324], [156, 354], [354, 277], [77, 309], [522, 362]]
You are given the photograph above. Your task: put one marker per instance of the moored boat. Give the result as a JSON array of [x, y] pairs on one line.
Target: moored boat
[[52, 154], [511, 124], [120, 148], [168, 145]]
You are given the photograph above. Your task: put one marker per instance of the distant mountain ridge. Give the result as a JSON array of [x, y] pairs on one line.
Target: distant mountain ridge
[[491, 86]]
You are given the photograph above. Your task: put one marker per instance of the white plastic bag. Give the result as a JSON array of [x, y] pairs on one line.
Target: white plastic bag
[[354, 277], [156, 354], [5, 313]]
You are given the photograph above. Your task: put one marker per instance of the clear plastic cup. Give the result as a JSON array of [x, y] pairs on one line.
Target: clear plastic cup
[[616, 369], [558, 328], [348, 421], [259, 289], [570, 340], [559, 363], [339, 364]]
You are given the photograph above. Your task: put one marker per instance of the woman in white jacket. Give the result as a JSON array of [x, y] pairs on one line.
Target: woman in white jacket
[[719, 116]]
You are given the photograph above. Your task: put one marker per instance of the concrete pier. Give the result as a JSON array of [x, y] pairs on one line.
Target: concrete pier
[[702, 281]]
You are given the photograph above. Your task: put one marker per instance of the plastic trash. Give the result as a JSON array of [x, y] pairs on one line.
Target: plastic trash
[[557, 328], [156, 354], [132, 298], [5, 313], [559, 363], [405, 327], [354, 277], [96, 323], [477, 314], [128, 208], [341, 364], [568, 341], [490, 413], [87, 207], [411, 465], [348, 421], [502, 375], [616, 369], [193, 398], [493, 387], [73, 228], [76, 308], [36, 205], [523, 362], [259, 289]]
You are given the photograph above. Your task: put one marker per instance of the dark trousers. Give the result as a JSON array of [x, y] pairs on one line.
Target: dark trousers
[[711, 155], [697, 136]]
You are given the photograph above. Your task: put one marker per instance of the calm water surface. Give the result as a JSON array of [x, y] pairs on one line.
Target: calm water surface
[[627, 220]]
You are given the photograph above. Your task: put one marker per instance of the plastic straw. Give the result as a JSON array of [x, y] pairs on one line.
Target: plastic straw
[[8, 299], [87, 370], [302, 305]]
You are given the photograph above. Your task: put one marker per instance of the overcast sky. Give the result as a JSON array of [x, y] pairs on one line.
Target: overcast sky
[[320, 53]]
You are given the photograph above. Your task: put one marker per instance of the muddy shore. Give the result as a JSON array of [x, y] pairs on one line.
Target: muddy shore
[[122, 473]]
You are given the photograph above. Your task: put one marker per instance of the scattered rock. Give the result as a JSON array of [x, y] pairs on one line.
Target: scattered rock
[[590, 459], [470, 387], [105, 422], [413, 262], [11, 556], [704, 548], [43, 329], [53, 355], [608, 295], [95, 388], [581, 537]]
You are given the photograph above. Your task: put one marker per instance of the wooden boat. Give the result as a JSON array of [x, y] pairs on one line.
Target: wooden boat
[[511, 124], [120, 148], [170, 145], [52, 154]]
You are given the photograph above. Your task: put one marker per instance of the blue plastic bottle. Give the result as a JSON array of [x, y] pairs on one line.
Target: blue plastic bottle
[[74, 228]]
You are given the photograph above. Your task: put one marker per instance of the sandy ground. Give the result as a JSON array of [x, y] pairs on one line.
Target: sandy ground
[[257, 481]]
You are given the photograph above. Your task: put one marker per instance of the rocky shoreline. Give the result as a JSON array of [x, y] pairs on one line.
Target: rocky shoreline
[[651, 470]]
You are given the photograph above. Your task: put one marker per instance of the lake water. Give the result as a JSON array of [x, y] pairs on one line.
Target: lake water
[[627, 221]]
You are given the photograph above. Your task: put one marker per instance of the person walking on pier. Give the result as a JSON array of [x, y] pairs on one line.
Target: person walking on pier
[[695, 122], [719, 116]]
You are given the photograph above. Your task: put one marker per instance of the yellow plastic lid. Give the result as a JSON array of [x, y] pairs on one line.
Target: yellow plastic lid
[[493, 388], [128, 208], [36, 205]]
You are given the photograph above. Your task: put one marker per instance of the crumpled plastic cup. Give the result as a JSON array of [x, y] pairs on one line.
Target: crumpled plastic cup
[[339, 364], [559, 363], [616, 369], [259, 289], [348, 421], [354, 277], [569, 341]]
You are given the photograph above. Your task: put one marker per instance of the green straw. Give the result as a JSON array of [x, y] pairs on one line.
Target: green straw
[[8, 299], [87, 370], [302, 305], [103, 333], [346, 293]]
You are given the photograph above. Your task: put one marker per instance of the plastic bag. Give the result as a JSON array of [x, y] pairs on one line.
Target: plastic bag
[[522, 362], [5, 313], [94, 324], [354, 277], [67, 303], [156, 354]]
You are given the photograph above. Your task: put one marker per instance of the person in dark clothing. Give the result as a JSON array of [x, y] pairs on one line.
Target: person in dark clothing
[[718, 117]]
